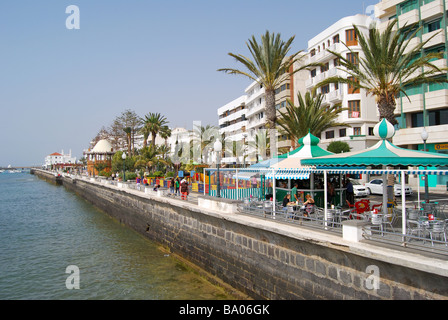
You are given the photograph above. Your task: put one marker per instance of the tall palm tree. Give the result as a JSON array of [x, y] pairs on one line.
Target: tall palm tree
[[154, 123], [165, 133], [128, 131], [271, 66], [309, 116], [388, 67], [145, 131]]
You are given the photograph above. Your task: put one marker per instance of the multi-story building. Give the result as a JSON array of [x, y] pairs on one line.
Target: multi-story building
[[427, 106], [233, 124], [57, 159], [361, 114]]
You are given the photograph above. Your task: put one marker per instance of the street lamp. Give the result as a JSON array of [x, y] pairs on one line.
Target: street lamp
[[218, 147], [123, 156], [424, 136]]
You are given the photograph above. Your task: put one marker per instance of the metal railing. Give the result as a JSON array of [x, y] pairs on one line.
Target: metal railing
[[390, 233]]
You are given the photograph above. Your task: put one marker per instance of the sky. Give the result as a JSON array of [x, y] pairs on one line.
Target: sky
[[59, 86]]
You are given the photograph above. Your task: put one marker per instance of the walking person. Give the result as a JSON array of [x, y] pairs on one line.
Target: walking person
[[184, 189], [350, 192], [177, 185], [172, 183]]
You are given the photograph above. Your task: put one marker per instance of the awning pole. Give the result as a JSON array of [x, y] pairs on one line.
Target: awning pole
[[325, 197], [403, 205], [385, 197], [273, 194], [418, 191], [236, 182], [205, 173]]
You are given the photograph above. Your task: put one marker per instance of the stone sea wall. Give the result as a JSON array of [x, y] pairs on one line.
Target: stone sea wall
[[266, 259]]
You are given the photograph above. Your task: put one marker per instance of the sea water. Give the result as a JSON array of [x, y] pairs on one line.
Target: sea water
[[55, 245]]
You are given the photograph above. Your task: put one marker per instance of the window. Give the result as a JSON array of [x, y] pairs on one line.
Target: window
[[408, 6], [342, 133], [353, 57], [417, 120], [313, 73], [336, 39], [354, 109], [336, 62], [329, 135], [438, 117], [313, 52], [371, 131], [438, 50], [351, 39], [325, 89], [351, 88], [432, 26], [357, 131], [325, 67]]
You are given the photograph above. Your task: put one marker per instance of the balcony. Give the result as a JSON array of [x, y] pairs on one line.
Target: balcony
[[414, 105], [436, 99], [335, 96], [386, 5], [324, 54], [432, 9], [408, 18], [410, 136], [309, 83], [434, 37], [412, 44]]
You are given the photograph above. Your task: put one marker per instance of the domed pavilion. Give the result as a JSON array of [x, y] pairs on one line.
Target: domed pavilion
[[100, 158]]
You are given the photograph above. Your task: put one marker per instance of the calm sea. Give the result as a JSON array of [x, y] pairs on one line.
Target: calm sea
[[44, 229]]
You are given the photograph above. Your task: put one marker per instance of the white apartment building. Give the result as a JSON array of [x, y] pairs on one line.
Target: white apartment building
[[57, 158], [428, 105], [233, 125], [362, 114]]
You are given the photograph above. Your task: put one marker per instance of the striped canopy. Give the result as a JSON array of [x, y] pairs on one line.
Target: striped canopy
[[383, 153]]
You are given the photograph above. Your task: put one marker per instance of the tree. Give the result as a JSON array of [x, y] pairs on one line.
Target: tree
[[388, 66], [338, 147], [271, 67], [310, 116], [165, 133], [154, 123], [131, 123]]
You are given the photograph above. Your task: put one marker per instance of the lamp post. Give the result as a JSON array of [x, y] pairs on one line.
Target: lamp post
[[424, 136], [123, 156], [218, 147]]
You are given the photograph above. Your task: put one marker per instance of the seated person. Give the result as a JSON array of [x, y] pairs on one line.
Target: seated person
[[286, 200], [309, 203]]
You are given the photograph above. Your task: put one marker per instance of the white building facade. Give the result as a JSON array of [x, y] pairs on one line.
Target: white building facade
[[427, 106], [361, 114], [57, 158]]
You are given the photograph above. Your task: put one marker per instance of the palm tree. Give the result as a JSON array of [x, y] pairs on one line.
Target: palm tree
[[165, 133], [389, 67], [154, 123], [203, 138], [271, 67], [309, 116], [128, 131], [145, 131]]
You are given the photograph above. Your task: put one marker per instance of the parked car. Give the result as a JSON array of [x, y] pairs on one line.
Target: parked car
[[359, 189], [375, 186]]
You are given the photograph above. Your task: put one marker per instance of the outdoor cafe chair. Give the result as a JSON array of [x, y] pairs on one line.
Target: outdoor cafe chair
[[377, 221], [414, 226], [437, 228]]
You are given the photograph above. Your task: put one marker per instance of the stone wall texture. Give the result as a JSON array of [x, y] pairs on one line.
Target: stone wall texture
[[266, 259]]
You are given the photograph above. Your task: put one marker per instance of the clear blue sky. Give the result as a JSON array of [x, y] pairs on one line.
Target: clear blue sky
[[58, 87]]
